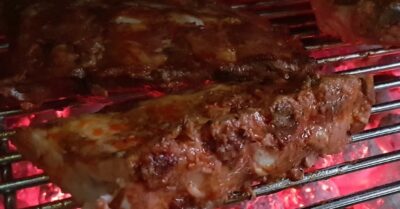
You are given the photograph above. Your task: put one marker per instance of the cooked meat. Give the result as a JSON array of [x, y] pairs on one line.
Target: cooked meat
[[360, 21], [190, 150], [103, 45], [265, 116]]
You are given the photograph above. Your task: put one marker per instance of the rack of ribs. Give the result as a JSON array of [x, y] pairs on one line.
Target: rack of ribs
[[68, 48], [266, 115], [190, 150], [360, 21]]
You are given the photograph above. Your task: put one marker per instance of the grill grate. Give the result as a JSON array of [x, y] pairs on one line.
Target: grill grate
[[298, 16]]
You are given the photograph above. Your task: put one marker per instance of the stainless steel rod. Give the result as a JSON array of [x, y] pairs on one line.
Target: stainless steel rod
[[10, 112], [387, 85], [269, 3], [59, 204], [6, 175], [359, 197], [10, 158], [6, 134], [4, 46], [275, 15], [371, 69], [302, 25], [376, 132], [387, 106], [335, 44], [344, 168], [23, 183], [358, 55]]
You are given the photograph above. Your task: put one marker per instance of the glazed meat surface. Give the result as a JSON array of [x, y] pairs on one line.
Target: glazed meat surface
[[191, 150], [360, 21], [69, 47], [266, 114]]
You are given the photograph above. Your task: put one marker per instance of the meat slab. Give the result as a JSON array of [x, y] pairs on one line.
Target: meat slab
[[75, 47], [360, 21], [266, 115], [191, 150]]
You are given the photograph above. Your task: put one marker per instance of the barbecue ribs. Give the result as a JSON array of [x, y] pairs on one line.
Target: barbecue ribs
[[360, 21], [190, 150], [266, 114], [70, 47]]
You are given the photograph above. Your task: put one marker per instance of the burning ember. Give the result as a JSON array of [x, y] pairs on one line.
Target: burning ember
[[286, 199], [354, 182], [35, 195], [342, 185]]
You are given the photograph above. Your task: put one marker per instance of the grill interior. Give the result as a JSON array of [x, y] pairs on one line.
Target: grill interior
[[297, 15]]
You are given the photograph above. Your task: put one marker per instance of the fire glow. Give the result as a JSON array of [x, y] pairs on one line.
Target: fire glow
[[287, 199], [350, 183], [35, 195]]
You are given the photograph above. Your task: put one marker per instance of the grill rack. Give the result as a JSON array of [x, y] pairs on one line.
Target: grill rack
[[280, 12]]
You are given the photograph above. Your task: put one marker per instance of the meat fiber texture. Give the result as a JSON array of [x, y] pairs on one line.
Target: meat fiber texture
[[360, 21], [191, 150], [66, 48], [244, 103]]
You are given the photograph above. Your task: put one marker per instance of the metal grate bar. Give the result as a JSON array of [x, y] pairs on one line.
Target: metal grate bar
[[373, 69], [376, 132], [9, 200], [269, 3], [333, 44], [341, 169], [5, 134], [4, 46], [23, 183], [10, 158], [358, 55], [359, 197], [387, 106], [9, 196], [6, 174], [276, 15], [10, 112], [65, 203], [302, 25], [387, 85], [304, 35]]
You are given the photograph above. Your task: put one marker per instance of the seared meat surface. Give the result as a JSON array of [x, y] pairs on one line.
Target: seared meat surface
[[360, 21], [191, 150], [266, 114], [84, 47]]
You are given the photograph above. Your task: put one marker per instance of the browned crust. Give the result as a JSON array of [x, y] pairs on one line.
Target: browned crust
[[360, 21], [124, 44], [191, 150]]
